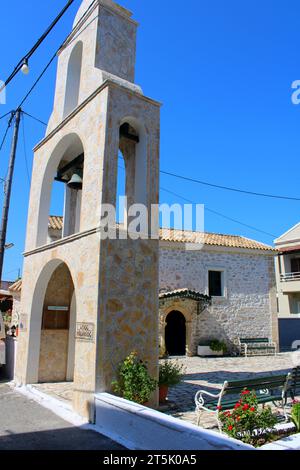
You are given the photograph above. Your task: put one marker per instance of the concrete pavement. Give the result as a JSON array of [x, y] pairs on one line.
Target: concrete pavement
[[25, 425]]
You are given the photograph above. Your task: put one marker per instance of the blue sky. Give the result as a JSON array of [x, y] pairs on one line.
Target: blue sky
[[223, 71]]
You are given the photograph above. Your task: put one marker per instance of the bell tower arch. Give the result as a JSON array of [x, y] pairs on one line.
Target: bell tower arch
[[98, 111]]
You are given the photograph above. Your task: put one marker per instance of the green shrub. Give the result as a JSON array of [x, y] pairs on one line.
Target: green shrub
[[170, 373], [134, 382], [295, 414], [247, 422], [218, 346]]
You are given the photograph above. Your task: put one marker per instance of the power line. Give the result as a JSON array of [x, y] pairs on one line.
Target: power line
[[24, 60], [54, 56], [35, 119], [213, 211], [4, 115], [37, 81], [227, 188], [12, 114], [220, 214]]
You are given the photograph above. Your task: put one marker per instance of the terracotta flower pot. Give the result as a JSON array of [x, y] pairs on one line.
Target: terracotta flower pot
[[163, 393]]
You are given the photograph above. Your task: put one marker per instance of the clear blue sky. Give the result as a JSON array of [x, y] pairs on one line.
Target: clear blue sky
[[223, 70]]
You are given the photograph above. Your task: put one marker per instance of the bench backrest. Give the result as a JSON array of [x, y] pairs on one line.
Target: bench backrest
[[254, 340], [259, 383], [295, 378]]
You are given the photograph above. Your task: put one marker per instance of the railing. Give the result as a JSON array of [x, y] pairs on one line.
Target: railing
[[290, 277]]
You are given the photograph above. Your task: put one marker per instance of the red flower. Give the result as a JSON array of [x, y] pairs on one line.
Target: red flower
[[252, 409], [238, 418], [237, 406], [230, 428], [245, 392], [219, 408], [246, 407]]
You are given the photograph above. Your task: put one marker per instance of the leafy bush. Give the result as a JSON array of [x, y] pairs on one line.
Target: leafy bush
[[247, 422], [170, 373], [216, 345], [295, 414], [134, 382]]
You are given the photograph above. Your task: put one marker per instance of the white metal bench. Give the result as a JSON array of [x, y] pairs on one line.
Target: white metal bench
[[256, 346]]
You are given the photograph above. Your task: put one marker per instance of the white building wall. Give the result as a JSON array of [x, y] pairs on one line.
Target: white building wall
[[247, 308]]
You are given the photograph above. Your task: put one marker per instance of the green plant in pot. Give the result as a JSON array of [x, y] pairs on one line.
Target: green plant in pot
[[134, 382], [170, 375], [218, 346]]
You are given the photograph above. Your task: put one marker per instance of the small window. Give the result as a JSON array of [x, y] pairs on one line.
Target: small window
[[215, 283], [294, 303], [295, 265]]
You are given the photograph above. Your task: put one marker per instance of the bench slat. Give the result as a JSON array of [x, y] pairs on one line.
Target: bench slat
[[257, 381], [254, 340], [229, 405]]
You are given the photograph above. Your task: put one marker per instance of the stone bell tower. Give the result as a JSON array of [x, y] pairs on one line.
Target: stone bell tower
[[88, 300]]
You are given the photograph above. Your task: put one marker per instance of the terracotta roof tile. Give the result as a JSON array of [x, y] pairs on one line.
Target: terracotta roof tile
[[213, 239], [209, 239], [17, 286], [55, 222]]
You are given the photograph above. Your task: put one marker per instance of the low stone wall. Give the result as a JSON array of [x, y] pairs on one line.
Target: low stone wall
[[139, 428]]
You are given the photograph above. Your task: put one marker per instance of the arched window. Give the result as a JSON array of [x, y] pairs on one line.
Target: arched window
[[132, 166], [121, 189], [61, 192], [73, 79]]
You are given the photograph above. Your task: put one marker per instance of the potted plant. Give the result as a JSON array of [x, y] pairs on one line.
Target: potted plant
[[134, 382], [212, 348], [170, 374]]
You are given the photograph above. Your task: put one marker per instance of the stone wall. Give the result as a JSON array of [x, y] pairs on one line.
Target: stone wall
[[53, 356], [247, 308]]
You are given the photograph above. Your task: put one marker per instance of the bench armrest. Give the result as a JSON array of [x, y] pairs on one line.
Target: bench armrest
[[200, 401]]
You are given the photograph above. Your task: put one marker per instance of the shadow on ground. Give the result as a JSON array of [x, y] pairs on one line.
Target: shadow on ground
[[58, 439]]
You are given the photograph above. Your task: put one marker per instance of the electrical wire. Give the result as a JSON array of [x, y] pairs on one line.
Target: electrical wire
[[36, 45], [54, 56], [214, 212], [4, 115], [220, 214], [37, 81], [7, 129], [227, 188], [34, 118]]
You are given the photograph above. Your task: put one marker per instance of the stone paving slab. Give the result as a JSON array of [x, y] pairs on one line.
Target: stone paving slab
[[210, 373]]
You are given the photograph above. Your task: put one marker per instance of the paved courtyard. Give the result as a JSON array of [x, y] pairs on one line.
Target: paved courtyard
[[210, 373], [200, 373]]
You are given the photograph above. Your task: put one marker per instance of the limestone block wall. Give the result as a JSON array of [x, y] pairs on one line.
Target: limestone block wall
[[248, 307], [53, 355]]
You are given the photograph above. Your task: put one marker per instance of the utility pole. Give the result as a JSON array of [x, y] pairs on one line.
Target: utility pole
[[8, 185]]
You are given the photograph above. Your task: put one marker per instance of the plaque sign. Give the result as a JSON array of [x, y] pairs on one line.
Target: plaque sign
[[85, 331]]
